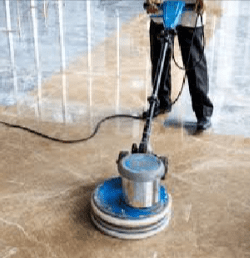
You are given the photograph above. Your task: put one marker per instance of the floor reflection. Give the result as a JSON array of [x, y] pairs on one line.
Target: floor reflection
[[121, 79], [104, 17]]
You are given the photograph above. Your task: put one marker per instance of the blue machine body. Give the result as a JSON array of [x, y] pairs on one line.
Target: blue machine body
[[109, 198], [171, 13]]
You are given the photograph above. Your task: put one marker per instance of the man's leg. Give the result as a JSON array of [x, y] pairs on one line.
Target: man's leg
[[198, 75], [164, 92]]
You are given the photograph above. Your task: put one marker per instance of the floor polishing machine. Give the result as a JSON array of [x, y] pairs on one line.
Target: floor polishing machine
[[135, 205]]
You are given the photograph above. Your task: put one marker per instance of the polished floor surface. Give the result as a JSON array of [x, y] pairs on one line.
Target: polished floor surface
[[46, 186]]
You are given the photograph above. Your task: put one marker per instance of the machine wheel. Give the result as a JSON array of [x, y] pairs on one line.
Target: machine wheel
[[122, 155], [165, 163], [143, 148], [134, 148]]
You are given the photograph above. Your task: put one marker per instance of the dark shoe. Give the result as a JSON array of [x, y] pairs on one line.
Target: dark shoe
[[157, 111], [203, 124]]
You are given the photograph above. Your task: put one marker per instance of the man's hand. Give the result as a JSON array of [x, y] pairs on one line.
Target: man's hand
[[152, 8], [200, 7]]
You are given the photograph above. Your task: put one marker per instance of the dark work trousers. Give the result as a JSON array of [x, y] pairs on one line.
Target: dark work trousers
[[197, 76]]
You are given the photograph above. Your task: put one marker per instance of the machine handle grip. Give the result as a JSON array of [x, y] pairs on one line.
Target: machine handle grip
[[186, 8]]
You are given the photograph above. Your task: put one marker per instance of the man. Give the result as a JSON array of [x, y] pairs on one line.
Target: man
[[193, 58]]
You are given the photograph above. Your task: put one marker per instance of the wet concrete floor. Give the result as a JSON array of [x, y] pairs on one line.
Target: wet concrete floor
[[46, 186], [92, 22]]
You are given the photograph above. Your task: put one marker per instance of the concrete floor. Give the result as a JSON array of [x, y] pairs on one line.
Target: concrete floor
[[45, 187]]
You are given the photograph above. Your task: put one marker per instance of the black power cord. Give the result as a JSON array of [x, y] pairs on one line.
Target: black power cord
[[70, 141]]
